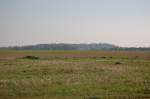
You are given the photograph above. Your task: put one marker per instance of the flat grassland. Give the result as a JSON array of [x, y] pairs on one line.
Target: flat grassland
[[74, 75]]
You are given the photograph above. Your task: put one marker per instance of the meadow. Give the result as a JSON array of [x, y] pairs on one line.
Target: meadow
[[74, 75]]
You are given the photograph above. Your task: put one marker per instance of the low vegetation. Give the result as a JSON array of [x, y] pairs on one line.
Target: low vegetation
[[74, 75], [31, 57]]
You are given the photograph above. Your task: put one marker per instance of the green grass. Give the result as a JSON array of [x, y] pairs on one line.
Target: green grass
[[74, 75]]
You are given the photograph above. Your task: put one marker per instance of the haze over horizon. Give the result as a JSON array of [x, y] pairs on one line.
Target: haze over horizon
[[124, 23]]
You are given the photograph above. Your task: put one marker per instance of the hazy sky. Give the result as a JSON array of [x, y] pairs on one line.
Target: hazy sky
[[120, 22]]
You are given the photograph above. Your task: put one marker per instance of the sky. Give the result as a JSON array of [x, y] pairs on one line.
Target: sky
[[121, 22]]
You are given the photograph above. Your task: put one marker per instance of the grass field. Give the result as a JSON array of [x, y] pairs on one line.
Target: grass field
[[74, 75]]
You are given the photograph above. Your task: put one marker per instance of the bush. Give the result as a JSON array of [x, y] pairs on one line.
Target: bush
[[103, 57], [31, 57], [117, 63]]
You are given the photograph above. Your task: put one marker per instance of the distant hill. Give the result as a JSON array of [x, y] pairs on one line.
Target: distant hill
[[63, 46]]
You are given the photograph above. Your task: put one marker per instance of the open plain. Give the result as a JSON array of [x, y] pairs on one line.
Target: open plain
[[74, 74]]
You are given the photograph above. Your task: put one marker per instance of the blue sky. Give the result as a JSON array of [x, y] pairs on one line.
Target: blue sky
[[120, 22]]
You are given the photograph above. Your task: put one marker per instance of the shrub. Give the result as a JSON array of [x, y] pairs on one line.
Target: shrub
[[117, 63], [31, 57], [103, 57]]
